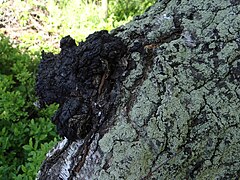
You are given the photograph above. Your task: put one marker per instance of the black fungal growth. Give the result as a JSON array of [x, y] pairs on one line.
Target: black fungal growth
[[83, 80]]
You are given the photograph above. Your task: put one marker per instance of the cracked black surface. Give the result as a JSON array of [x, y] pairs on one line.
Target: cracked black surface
[[83, 80]]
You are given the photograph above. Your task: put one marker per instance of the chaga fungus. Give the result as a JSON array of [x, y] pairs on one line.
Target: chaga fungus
[[83, 80]]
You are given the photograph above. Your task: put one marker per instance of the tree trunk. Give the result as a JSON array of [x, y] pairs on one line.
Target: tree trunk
[[176, 112]]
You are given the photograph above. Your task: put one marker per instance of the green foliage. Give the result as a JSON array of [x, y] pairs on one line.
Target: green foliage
[[81, 18], [123, 9], [26, 133], [50, 20]]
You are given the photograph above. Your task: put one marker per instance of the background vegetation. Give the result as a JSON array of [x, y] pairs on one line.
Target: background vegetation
[[26, 132]]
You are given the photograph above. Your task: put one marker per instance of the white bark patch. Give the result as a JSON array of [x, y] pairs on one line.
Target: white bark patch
[[92, 161], [58, 147], [66, 166]]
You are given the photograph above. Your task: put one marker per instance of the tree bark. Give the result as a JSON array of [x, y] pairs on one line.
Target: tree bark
[[177, 113]]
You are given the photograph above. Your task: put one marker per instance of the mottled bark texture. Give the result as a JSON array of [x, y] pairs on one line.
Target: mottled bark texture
[[170, 99]]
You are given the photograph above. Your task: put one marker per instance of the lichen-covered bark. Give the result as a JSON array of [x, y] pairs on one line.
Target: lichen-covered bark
[[178, 112]]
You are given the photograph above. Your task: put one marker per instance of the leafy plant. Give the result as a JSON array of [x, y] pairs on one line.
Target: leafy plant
[[26, 133], [123, 9]]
